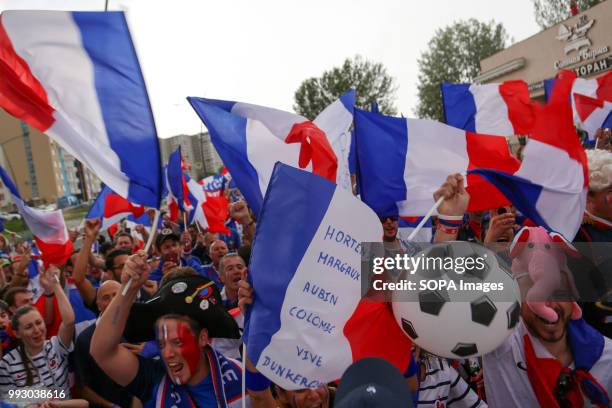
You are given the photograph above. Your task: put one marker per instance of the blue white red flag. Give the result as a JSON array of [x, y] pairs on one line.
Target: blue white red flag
[[406, 225], [250, 139], [176, 183], [75, 76], [47, 227], [599, 88], [553, 170], [493, 109], [593, 113], [111, 208], [308, 322], [402, 162]]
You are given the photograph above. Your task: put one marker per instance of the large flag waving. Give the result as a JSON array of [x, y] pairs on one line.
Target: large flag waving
[[48, 227], [551, 184], [597, 88], [593, 113], [308, 323], [251, 139], [402, 162], [75, 76], [493, 109], [110, 208]]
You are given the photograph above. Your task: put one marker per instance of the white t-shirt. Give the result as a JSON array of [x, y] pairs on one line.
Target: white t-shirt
[[505, 372], [444, 387], [49, 369]]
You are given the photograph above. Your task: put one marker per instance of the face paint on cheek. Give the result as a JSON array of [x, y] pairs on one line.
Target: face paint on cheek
[[190, 349]]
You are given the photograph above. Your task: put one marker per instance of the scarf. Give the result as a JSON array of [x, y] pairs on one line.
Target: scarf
[[553, 383], [226, 378]]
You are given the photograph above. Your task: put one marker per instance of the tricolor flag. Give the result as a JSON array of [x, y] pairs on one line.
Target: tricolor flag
[[111, 208], [597, 88], [402, 162], [75, 76], [406, 225], [551, 184], [593, 113], [176, 184], [308, 323], [47, 227], [251, 139], [197, 197], [493, 109]]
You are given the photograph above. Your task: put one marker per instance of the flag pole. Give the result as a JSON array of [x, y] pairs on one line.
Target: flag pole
[[244, 368], [146, 248], [425, 219]]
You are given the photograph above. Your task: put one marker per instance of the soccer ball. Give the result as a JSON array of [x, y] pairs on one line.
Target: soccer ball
[[456, 313]]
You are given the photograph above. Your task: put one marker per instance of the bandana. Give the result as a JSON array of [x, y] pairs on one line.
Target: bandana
[[549, 379]]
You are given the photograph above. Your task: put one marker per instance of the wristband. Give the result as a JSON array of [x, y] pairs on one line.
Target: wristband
[[450, 217], [448, 230], [51, 295], [451, 223], [256, 381]]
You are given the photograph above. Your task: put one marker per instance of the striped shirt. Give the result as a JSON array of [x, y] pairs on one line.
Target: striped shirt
[[444, 387], [49, 369]]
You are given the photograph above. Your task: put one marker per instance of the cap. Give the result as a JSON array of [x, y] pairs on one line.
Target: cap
[[194, 296], [373, 382], [166, 234]]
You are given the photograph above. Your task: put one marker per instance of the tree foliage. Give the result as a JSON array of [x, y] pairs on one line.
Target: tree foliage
[[550, 12], [370, 80], [453, 55]]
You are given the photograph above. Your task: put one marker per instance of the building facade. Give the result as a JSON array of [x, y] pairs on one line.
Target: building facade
[[581, 43], [42, 171], [197, 150]]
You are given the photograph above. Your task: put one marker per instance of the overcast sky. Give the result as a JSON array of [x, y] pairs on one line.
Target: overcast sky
[[260, 51]]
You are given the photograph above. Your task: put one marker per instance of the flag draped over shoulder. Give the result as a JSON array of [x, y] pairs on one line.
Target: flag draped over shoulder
[[75, 76]]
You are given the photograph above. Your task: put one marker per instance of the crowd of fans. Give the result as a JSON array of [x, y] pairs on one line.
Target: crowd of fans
[[173, 337]]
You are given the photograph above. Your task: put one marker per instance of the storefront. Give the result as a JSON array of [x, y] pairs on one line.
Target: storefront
[[582, 43]]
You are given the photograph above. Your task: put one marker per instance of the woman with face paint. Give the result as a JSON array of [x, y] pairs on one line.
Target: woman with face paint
[[190, 372]]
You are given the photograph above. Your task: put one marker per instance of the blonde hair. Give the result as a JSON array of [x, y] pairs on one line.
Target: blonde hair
[[600, 169]]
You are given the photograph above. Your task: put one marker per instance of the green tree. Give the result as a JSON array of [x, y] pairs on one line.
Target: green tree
[[370, 80], [550, 12], [453, 55]]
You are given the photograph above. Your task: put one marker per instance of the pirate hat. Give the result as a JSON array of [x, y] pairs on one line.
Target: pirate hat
[[194, 296]]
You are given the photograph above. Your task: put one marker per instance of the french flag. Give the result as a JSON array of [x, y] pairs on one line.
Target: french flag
[[308, 323], [406, 225], [550, 186], [593, 113], [597, 88], [75, 76], [176, 182], [197, 197], [216, 205], [402, 162], [111, 208], [251, 139], [47, 227], [493, 109]]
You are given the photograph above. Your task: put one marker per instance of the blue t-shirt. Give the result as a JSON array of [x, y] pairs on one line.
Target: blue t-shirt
[[203, 393]]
